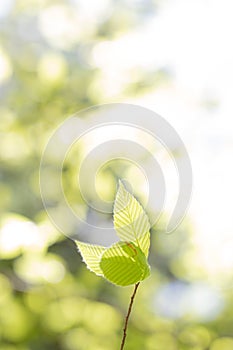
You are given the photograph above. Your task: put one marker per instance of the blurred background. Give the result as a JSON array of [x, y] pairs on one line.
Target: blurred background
[[58, 57]]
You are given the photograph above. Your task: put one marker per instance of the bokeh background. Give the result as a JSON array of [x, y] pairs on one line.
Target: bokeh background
[[58, 57]]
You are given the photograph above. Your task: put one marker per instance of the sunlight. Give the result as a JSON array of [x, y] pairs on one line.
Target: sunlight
[[5, 67], [17, 234]]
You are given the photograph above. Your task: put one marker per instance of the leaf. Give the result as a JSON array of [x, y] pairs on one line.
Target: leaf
[[130, 219], [124, 263], [144, 243], [91, 255]]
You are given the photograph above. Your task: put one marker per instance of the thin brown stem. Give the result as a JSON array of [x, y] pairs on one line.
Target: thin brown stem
[[127, 316]]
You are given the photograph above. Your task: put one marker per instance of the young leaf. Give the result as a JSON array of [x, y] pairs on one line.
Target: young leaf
[[124, 263], [144, 243], [130, 219], [91, 255]]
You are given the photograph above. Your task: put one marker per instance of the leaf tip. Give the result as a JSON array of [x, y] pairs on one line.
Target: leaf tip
[[120, 183], [121, 186]]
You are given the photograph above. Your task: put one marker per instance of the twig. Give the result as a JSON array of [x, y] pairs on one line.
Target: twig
[[127, 316]]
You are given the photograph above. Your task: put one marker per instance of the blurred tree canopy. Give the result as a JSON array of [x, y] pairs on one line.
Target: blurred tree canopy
[[51, 66]]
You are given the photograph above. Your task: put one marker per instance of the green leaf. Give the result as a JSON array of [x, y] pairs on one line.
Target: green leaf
[[130, 219], [124, 263], [91, 255], [144, 243]]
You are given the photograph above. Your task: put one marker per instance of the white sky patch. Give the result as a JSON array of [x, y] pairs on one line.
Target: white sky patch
[[192, 38], [5, 7]]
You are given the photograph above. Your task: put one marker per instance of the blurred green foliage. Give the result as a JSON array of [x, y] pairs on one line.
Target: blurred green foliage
[[48, 299]]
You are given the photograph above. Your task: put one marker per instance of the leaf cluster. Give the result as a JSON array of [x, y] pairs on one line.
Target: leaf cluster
[[125, 262]]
